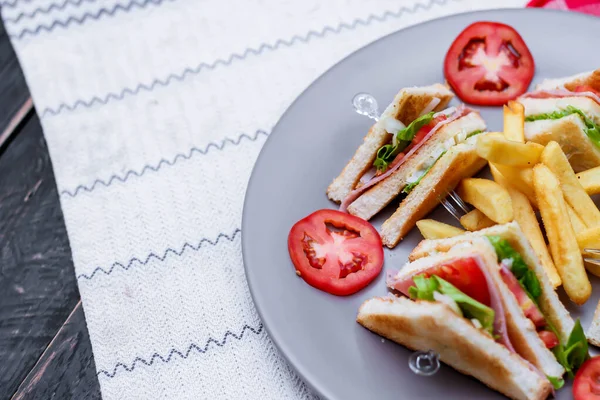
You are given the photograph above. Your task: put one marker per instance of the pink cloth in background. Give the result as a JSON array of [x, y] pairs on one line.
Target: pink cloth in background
[[585, 6]]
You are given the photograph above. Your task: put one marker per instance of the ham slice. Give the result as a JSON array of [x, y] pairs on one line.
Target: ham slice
[[460, 112], [403, 283], [527, 305], [549, 94]]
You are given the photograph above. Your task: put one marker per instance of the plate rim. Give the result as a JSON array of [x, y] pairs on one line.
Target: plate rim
[[278, 341]]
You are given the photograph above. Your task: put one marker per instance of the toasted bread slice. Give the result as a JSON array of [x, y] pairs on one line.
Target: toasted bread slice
[[550, 304], [568, 132], [590, 78], [380, 195], [460, 162], [593, 332], [424, 326], [522, 332], [406, 107]]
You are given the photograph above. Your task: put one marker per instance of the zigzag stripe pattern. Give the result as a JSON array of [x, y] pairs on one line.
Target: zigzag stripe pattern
[[163, 162], [184, 355], [109, 12], [13, 3], [47, 10], [153, 256], [179, 77]]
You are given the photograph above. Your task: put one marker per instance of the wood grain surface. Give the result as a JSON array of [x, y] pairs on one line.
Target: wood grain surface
[[66, 369], [45, 351], [13, 89]]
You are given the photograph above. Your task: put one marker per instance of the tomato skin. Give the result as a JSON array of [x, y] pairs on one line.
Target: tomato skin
[[482, 68], [340, 263], [420, 135], [587, 380], [463, 273], [549, 339]]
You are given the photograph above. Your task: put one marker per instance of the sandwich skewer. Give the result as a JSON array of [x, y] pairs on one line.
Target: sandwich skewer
[[592, 256]]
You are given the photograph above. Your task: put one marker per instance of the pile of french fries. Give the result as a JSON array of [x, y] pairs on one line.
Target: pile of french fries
[[529, 177]]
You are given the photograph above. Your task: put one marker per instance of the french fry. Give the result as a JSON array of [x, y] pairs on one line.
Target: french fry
[[521, 179], [475, 220], [528, 222], [563, 244], [488, 197], [578, 225], [514, 121], [432, 229], [590, 239], [554, 158], [507, 152], [590, 180]]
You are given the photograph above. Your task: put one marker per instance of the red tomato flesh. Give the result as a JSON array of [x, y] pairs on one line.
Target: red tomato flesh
[[424, 131], [529, 308], [489, 64], [335, 252], [463, 273], [418, 138], [549, 338], [587, 380]]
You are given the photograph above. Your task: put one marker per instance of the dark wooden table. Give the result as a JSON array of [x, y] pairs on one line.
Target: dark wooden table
[[45, 350]]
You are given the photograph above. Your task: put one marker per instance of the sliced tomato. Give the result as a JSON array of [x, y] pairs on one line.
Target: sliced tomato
[[587, 380], [335, 252], [424, 131], [489, 64], [418, 138], [529, 308], [463, 273], [549, 338]]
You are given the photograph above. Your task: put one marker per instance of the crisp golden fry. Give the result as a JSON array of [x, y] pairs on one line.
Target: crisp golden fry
[[590, 239], [507, 152], [590, 180], [475, 220], [578, 225], [514, 121], [554, 158], [563, 245], [528, 222], [521, 179], [432, 229], [488, 197]]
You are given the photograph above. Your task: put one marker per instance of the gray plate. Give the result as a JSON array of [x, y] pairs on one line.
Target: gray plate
[[314, 139]]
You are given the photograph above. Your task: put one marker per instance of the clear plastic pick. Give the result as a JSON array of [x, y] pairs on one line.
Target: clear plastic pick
[[365, 104], [424, 363]]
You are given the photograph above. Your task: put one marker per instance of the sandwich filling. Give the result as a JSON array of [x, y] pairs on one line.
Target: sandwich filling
[[525, 286], [465, 285], [592, 129], [403, 145]]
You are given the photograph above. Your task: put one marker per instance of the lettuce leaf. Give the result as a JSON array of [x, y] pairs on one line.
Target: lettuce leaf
[[575, 352], [526, 277], [471, 308], [408, 188], [477, 132], [424, 288], [592, 130], [387, 153], [556, 381]]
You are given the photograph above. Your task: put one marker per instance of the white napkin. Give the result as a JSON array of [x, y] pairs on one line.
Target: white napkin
[[154, 112]]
